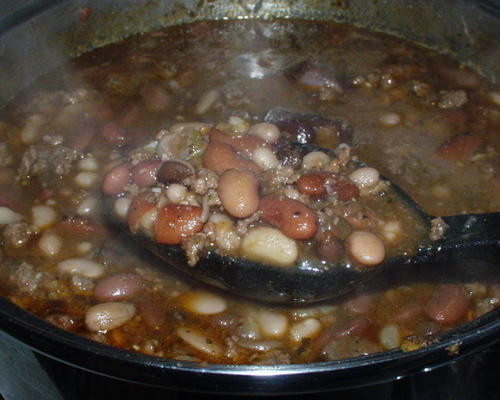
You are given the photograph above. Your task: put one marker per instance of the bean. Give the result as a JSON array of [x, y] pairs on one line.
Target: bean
[[43, 216], [50, 243], [495, 97], [238, 192], [152, 312], [140, 207], [121, 207], [345, 190], [176, 192], [174, 172], [307, 328], [365, 248], [268, 132], [199, 341], [76, 225], [144, 173], [389, 337], [329, 247], [246, 144], [315, 160], [115, 180], [313, 184], [272, 324], [265, 158], [448, 304], [85, 179], [269, 245], [155, 98], [87, 206], [206, 101], [390, 119], [293, 218], [176, 222], [107, 316], [220, 157], [365, 177], [118, 287], [360, 304], [353, 327], [7, 216], [392, 230], [203, 303], [81, 266]]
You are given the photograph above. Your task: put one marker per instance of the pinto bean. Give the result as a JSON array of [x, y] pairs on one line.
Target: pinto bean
[[118, 287], [144, 173], [293, 218], [245, 144], [220, 157], [238, 192], [448, 304], [174, 172], [365, 248], [115, 180], [106, 316], [176, 222], [313, 184], [329, 247]]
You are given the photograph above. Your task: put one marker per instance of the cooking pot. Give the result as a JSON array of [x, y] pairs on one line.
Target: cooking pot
[[43, 34]]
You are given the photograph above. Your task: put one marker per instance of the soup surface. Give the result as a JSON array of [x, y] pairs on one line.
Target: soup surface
[[185, 135]]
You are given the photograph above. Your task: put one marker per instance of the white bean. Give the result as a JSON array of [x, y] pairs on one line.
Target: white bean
[[272, 324], [495, 97], [365, 177], [121, 207], [84, 247], [390, 119], [365, 248], [392, 230], [43, 216], [204, 303], [265, 158], [266, 131], [206, 101], [306, 328], [199, 341], [315, 160], [390, 337], [87, 206], [88, 163], [50, 243], [86, 179], [81, 266], [106, 316], [7, 216], [266, 244], [176, 192]]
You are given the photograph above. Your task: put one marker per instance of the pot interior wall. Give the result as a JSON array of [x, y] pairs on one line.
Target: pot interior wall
[[44, 34]]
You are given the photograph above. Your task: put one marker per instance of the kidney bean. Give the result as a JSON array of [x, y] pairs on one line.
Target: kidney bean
[[448, 304], [144, 173], [118, 287], [155, 98], [115, 180], [139, 206], [312, 184], [293, 218], [245, 144], [82, 138], [408, 313], [220, 157], [173, 172], [113, 133], [176, 222], [346, 190], [354, 326], [238, 192], [106, 316], [329, 247]]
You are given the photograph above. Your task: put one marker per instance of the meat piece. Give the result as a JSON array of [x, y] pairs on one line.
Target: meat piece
[[5, 155], [43, 158], [17, 234], [438, 229], [202, 181], [26, 278], [193, 246], [452, 99]]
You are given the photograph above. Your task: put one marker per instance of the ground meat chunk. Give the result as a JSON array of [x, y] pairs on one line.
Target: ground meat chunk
[[193, 246], [202, 181], [452, 99], [39, 159], [277, 178], [26, 278], [438, 228], [5, 155], [17, 234]]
